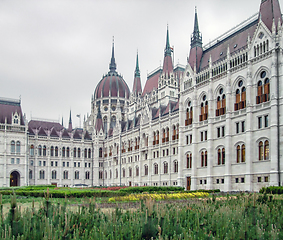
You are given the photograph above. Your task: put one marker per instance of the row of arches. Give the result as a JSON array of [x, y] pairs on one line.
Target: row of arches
[[262, 95], [54, 174], [263, 154], [65, 152]]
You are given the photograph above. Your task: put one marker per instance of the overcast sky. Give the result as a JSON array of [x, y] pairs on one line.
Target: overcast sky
[[53, 53]]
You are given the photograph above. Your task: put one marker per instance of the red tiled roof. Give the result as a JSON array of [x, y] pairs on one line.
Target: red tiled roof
[[151, 84], [195, 57], [270, 9], [235, 42], [98, 124], [137, 85], [35, 124], [77, 134], [54, 133], [167, 64], [7, 108], [65, 134]]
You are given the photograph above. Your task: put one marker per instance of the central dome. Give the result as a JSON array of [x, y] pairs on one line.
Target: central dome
[[112, 85]]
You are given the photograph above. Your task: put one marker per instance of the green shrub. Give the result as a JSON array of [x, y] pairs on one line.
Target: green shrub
[[272, 190]]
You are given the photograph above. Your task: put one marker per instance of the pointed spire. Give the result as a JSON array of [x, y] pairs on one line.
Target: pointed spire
[[137, 71], [196, 39], [112, 65], [168, 49], [137, 80], [70, 122]]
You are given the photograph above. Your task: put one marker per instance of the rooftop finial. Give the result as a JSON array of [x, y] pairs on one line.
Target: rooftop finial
[[112, 65]]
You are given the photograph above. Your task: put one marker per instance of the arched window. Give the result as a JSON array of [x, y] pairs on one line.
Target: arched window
[[110, 174], [79, 152], [30, 174], [116, 171], [266, 150], [89, 153], [163, 135], [52, 151], [44, 150], [260, 150], [238, 154], [39, 150], [221, 156], [203, 159], [68, 152], [137, 171], [75, 152], [203, 109], [85, 153], [13, 147], [86, 175], [105, 174], [145, 170], [165, 167], [174, 133], [31, 150], [65, 175], [63, 152], [240, 96], [243, 153], [221, 103], [175, 166], [263, 88], [155, 168], [167, 134], [189, 160], [54, 174], [56, 151], [123, 172], [77, 175], [100, 175], [130, 172], [18, 147], [41, 174], [100, 152], [189, 115], [157, 137]]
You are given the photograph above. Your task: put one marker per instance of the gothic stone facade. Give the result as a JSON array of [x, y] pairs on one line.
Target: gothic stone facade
[[214, 123]]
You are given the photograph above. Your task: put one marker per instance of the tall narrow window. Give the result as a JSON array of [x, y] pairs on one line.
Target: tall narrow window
[[145, 170], [189, 160], [266, 150], [39, 150], [44, 150], [63, 152], [18, 147], [260, 150], [165, 166], [243, 157], [31, 150], [238, 153]]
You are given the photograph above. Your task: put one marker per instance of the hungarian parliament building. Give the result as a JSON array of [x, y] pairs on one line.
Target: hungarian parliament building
[[214, 123]]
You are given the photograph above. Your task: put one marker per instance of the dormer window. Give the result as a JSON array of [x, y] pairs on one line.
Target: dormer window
[[16, 119]]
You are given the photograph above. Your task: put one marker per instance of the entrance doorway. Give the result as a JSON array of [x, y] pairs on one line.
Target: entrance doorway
[[188, 183], [130, 183], [14, 179]]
